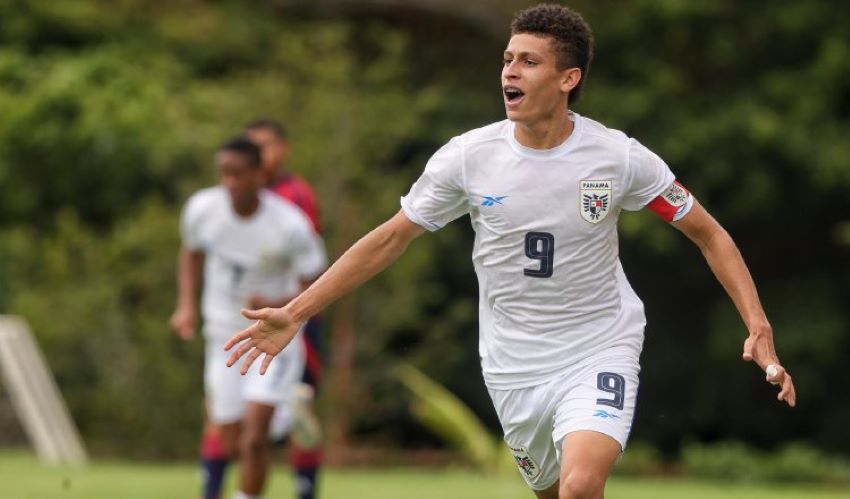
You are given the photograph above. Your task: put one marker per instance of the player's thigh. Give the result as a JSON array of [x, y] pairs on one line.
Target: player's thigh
[[550, 493], [601, 397], [587, 458], [223, 385], [526, 418], [255, 423]]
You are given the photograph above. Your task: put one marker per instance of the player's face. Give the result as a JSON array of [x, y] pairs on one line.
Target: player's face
[[532, 86], [236, 174], [275, 150]]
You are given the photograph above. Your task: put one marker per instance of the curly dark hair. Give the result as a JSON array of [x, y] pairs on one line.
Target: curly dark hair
[[573, 40]]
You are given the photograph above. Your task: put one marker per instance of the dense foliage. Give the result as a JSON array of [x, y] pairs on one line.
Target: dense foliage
[[110, 113]]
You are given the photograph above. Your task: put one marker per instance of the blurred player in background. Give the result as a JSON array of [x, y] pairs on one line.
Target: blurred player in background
[[245, 247], [305, 453], [560, 328]]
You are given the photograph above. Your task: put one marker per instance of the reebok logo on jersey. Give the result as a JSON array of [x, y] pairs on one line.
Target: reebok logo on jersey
[[595, 196], [491, 200]]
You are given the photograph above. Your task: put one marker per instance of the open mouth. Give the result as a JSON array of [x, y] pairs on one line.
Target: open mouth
[[512, 94]]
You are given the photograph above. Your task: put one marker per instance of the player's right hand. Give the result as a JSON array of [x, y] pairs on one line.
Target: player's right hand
[[183, 322], [273, 330], [759, 348]]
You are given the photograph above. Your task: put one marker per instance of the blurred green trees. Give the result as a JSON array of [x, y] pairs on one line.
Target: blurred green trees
[[103, 135], [111, 111]]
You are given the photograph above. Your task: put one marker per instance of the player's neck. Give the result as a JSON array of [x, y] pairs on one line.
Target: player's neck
[[281, 174], [546, 133], [246, 207]]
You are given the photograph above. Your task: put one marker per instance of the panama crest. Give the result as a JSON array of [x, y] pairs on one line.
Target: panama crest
[[676, 195], [595, 196], [526, 465]]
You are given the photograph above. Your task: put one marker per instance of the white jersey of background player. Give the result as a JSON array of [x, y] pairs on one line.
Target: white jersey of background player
[[561, 329], [268, 254]]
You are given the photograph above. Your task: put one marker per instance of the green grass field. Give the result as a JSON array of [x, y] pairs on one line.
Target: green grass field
[[23, 478]]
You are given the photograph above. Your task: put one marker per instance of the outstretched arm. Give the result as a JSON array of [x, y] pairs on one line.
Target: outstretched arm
[[728, 266], [275, 327]]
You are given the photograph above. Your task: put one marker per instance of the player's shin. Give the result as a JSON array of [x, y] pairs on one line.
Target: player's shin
[[305, 463], [306, 443], [214, 462]]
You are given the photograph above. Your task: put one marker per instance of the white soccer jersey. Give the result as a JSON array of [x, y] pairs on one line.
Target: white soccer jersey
[[266, 254], [552, 290]]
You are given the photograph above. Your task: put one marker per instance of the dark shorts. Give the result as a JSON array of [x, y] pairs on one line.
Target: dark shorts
[[314, 365]]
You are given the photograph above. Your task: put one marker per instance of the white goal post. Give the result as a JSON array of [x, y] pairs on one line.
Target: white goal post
[[35, 397]]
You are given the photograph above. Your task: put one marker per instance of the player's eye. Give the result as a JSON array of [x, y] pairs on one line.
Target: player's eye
[[506, 61], [529, 62]]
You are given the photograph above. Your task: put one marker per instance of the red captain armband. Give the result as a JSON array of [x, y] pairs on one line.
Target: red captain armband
[[672, 204]]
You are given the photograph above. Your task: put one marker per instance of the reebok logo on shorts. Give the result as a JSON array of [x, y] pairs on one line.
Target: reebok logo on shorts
[[526, 465], [605, 415]]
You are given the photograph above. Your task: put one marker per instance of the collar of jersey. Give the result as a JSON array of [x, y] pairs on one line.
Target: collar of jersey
[[253, 217], [554, 152]]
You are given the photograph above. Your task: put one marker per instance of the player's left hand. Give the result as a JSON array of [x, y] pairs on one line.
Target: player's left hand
[[183, 321], [273, 330], [759, 348]]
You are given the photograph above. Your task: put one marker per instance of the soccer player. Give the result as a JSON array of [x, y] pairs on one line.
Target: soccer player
[[306, 454], [249, 247], [561, 330]]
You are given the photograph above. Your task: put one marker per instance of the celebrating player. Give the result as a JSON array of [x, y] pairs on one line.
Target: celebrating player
[[561, 329], [252, 247]]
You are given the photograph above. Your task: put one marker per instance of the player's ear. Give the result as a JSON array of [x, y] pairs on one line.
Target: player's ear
[[570, 78]]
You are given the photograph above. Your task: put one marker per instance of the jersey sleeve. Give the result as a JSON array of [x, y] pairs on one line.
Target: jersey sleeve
[[649, 177], [308, 251], [439, 195], [190, 223]]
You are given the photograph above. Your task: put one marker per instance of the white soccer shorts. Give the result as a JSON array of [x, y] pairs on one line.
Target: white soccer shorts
[[599, 395], [228, 392]]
